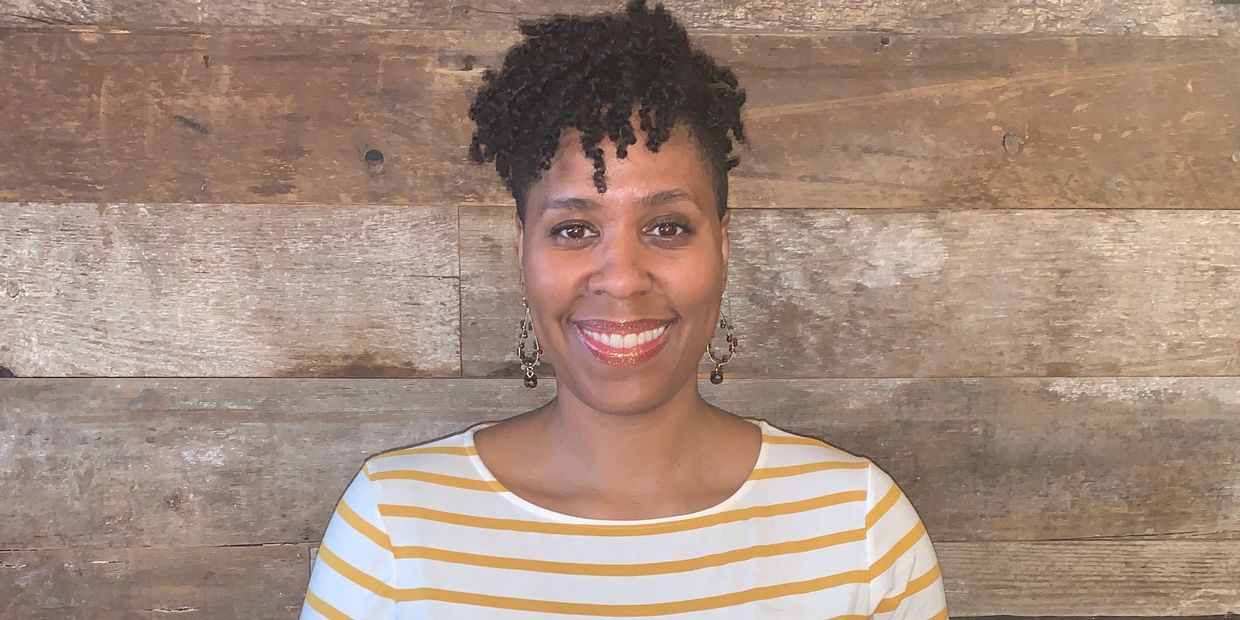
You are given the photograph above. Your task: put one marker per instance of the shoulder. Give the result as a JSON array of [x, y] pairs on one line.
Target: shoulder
[[445, 454], [795, 446]]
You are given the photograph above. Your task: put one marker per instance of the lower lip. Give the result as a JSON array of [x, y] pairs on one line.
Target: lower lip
[[624, 357]]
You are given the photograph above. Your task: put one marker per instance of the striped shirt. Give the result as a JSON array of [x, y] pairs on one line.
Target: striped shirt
[[814, 532]]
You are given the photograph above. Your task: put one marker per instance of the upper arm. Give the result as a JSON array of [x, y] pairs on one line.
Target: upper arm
[[905, 583], [354, 574]]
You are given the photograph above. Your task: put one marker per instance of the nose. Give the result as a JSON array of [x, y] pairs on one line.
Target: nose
[[623, 268]]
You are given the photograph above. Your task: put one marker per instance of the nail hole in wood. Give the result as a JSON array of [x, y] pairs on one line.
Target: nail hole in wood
[[374, 161], [1011, 143], [884, 40]]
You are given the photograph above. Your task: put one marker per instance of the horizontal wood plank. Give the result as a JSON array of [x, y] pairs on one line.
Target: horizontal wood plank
[[1143, 17], [229, 290], [169, 462], [844, 120], [260, 582], [820, 292], [1091, 578]]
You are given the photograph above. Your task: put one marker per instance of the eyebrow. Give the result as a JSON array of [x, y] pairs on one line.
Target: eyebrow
[[648, 201]]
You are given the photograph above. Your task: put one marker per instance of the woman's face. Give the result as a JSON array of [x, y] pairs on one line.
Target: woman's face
[[624, 286]]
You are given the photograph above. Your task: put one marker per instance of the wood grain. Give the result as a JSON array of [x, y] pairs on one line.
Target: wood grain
[[229, 290], [1143, 17], [259, 582], [190, 462], [842, 120], [1091, 578], [834, 293]]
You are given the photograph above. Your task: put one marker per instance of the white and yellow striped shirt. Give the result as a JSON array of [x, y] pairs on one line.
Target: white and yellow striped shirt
[[815, 532]]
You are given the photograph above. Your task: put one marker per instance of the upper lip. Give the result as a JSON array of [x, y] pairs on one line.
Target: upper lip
[[635, 326]]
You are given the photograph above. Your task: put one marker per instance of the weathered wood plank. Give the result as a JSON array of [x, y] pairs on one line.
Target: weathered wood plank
[[185, 582], [1091, 578], [1145, 17], [231, 290], [274, 116], [164, 462], [818, 292]]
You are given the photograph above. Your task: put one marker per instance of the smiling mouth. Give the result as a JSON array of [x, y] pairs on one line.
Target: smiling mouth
[[623, 344]]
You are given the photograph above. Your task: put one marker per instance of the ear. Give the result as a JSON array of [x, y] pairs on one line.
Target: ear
[[725, 245]]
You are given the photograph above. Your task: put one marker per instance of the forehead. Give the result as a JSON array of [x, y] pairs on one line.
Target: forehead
[[678, 166]]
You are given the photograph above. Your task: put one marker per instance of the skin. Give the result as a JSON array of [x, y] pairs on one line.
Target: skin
[[626, 442]]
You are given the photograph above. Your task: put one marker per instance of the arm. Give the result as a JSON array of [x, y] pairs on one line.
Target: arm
[[905, 583], [354, 573]]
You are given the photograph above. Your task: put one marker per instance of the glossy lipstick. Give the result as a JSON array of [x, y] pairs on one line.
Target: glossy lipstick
[[621, 356]]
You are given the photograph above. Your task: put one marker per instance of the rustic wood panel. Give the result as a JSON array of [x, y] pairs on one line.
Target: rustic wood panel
[[169, 462], [819, 292], [1146, 17], [188, 582], [275, 116], [231, 290], [1091, 578]]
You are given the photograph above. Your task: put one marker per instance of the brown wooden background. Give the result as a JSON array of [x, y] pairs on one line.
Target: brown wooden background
[[994, 246]]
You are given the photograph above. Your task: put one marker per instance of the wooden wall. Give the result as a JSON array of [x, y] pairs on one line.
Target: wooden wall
[[996, 249]]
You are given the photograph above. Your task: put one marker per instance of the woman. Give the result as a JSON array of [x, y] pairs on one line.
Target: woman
[[627, 495]]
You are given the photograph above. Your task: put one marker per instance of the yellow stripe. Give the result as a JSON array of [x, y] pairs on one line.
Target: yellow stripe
[[883, 505], [797, 440], [459, 482], [795, 470], [914, 586], [505, 602], [364, 527], [942, 615], [354, 574], [630, 570], [453, 450], [324, 608], [900, 547], [595, 529], [646, 609]]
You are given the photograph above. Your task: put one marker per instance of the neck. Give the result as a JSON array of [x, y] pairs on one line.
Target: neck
[[631, 454]]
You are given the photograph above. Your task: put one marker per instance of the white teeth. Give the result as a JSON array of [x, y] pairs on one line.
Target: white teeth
[[626, 341]]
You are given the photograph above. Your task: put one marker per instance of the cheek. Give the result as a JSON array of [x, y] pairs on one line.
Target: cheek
[[549, 283]]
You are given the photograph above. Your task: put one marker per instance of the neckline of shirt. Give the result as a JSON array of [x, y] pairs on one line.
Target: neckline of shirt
[[561, 517]]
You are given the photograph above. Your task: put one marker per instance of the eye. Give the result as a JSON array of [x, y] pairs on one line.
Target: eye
[[668, 229], [575, 230]]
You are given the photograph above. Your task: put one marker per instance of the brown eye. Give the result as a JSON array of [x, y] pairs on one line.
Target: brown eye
[[668, 229], [575, 231]]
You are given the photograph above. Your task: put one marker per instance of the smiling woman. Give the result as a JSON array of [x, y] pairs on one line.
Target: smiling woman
[[626, 495]]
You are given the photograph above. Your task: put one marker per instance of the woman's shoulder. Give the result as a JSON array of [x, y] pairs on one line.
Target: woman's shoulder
[[444, 454], [795, 445]]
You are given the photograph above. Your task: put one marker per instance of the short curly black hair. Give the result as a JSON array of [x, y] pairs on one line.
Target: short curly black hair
[[589, 72]]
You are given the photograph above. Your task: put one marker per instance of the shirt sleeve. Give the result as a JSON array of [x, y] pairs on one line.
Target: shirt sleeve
[[905, 583], [354, 573]]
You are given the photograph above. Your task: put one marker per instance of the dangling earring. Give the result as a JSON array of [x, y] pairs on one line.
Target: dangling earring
[[716, 375], [528, 362]]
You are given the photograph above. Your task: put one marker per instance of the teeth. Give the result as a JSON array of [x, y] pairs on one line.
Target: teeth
[[626, 341]]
